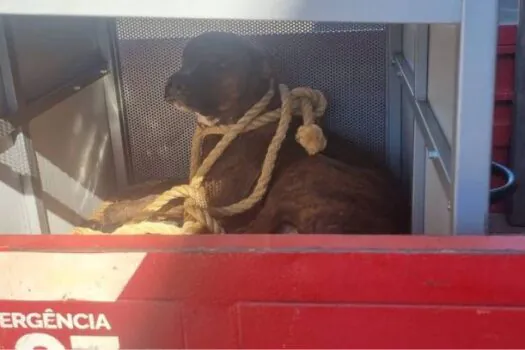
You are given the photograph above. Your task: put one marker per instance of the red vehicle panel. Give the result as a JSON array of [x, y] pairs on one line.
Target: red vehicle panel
[[262, 291]]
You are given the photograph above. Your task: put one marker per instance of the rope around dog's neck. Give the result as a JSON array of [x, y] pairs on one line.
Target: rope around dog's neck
[[310, 104]]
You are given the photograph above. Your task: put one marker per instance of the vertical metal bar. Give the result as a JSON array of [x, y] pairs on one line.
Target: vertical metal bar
[[421, 62], [115, 61], [419, 150], [7, 74], [117, 128], [471, 151], [393, 118], [516, 214], [419, 162]]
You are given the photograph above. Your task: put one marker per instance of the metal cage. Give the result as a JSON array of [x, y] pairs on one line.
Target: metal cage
[[419, 94]]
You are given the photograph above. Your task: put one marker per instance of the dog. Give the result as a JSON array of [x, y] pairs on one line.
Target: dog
[[343, 190]]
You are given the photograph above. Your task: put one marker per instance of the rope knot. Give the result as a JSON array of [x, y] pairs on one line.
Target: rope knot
[[311, 104], [312, 138]]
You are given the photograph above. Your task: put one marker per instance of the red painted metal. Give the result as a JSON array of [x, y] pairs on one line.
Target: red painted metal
[[378, 326], [295, 291], [501, 143], [507, 35], [503, 101], [502, 124], [136, 324], [505, 62], [505, 76], [284, 243]]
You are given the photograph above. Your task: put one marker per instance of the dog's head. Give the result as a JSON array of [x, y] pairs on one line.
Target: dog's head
[[221, 77]]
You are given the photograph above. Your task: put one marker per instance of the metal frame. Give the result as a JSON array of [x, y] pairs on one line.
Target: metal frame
[[419, 162], [7, 74], [393, 122], [421, 63], [516, 214], [464, 167], [6, 79], [463, 173], [392, 11], [435, 141], [428, 140], [419, 150], [471, 149], [115, 107]]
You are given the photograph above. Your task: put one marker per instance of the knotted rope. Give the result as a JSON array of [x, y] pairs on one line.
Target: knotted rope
[[196, 213]]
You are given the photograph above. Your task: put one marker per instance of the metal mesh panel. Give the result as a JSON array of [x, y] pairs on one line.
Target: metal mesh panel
[[13, 154], [345, 61], [5, 127]]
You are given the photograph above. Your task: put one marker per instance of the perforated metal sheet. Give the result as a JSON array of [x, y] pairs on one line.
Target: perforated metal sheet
[[5, 127], [346, 61], [13, 154]]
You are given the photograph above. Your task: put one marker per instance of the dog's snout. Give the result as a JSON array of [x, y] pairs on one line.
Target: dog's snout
[[177, 86]]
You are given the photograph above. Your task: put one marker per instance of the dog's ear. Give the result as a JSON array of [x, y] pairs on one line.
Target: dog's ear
[[262, 61]]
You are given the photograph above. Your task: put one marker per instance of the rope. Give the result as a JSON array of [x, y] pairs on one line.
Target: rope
[[196, 212]]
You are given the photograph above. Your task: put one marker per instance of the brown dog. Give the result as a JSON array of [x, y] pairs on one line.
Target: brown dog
[[221, 77]]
